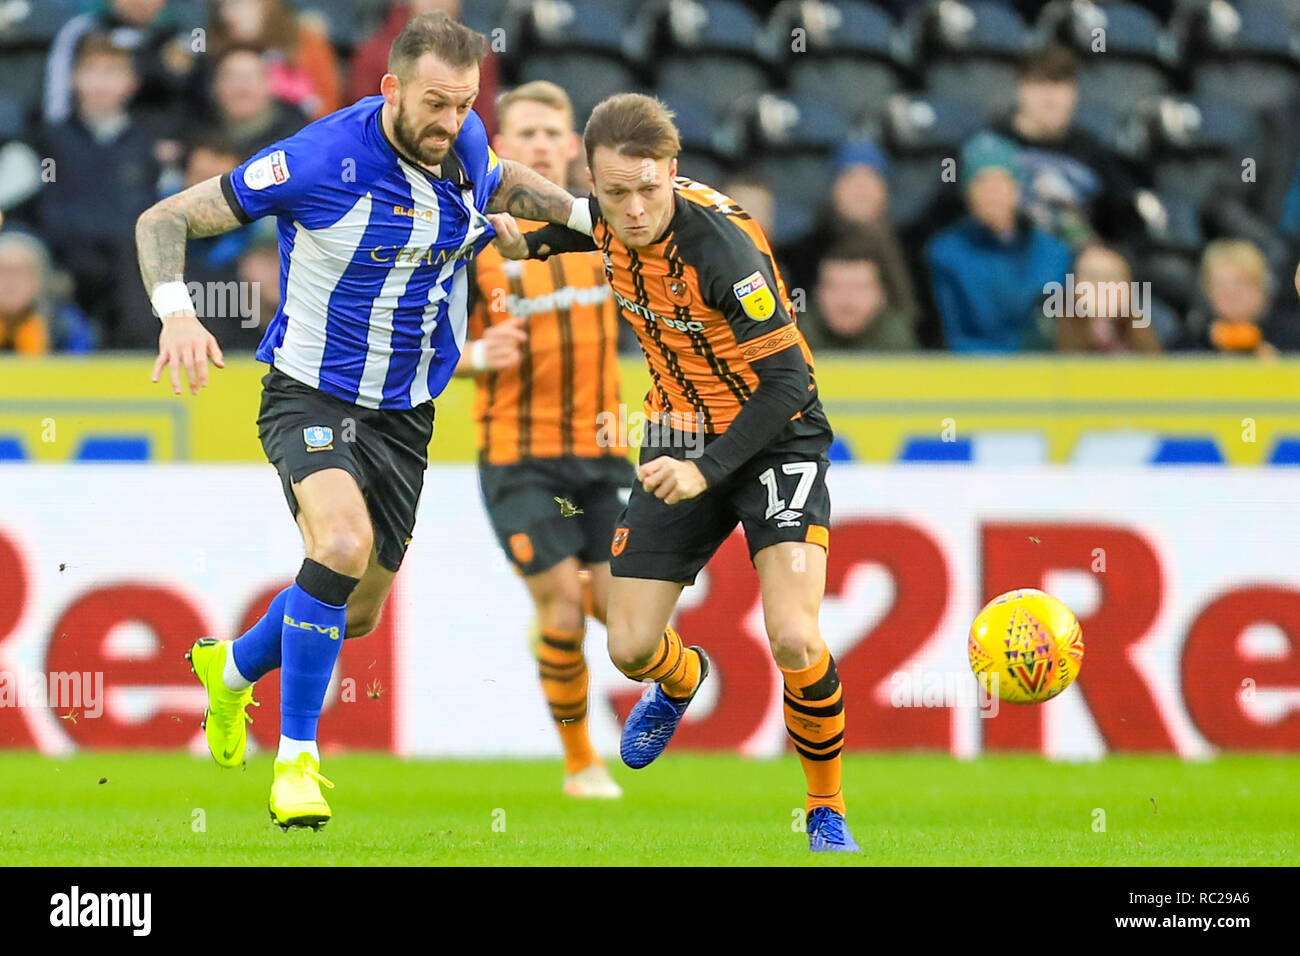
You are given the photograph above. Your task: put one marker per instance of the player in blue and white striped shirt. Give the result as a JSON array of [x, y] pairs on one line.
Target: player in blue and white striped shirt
[[380, 207]]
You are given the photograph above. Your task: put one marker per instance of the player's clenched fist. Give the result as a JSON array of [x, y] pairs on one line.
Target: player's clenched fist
[[184, 342], [510, 240], [671, 479]]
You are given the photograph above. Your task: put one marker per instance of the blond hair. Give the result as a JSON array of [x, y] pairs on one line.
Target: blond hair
[[545, 92], [1243, 254]]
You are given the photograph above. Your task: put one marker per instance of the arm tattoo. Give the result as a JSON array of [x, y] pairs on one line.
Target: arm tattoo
[[161, 230], [529, 195]]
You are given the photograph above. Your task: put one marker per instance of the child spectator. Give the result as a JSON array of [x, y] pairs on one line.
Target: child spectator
[[104, 174], [992, 268], [1240, 315], [154, 36], [1106, 316]]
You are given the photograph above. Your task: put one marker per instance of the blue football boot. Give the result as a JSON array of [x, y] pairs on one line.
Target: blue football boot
[[828, 833], [654, 718]]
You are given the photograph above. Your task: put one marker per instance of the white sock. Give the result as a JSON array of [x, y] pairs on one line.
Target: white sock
[[290, 749], [230, 675]]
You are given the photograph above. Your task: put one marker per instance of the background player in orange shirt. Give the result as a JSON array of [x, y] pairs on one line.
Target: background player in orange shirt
[[695, 276], [544, 353]]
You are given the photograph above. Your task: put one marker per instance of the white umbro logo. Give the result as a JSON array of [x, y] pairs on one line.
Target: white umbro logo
[[788, 518]]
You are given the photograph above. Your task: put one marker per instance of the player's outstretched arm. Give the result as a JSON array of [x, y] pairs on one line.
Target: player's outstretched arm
[[160, 235], [530, 195]]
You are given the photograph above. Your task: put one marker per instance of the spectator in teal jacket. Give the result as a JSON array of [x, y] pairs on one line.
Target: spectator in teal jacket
[[992, 269]]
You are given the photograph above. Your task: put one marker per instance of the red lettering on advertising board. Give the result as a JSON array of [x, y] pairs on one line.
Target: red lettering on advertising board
[[1219, 679], [1020, 555]]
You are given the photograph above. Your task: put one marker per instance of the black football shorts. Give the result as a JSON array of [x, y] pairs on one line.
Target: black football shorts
[[778, 495], [305, 430], [535, 530]]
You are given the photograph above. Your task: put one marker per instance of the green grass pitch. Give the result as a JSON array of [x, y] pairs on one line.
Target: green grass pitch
[[687, 810]]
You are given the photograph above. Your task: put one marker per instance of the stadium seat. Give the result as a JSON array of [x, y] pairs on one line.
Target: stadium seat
[[1126, 29], [1261, 31], [1201, 124], [701, 167], [914, 185], [1253, 85], [795, 218], [342, 19], [697, 125], [1184, 450], [597, 25], [831, 28], [964, 28], [717, 82], [587, 79], [715, 26], [13, 119], [35, 22], [804, 177], [987, 86], [484, 15], [22, 77], [123, 448], [1173, 276], [1183, 185], [861, 88], [1190, 180], [1121, 84], [930, 123], [786, 122]]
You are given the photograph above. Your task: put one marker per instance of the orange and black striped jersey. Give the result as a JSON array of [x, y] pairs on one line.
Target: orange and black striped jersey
[[550, 404], [707, 302], [713, 318]]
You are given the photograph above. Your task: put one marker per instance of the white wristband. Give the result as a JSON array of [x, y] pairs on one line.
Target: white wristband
[[478, 355], [171, 297], [580, 216]]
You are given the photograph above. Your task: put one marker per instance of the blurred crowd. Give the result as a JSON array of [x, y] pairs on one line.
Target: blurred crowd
[[962, 175]]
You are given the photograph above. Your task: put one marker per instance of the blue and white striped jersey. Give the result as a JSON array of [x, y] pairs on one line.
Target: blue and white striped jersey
[[373, 249]]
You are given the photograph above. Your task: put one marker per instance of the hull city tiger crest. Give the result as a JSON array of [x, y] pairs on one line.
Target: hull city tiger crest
[[619, 543], [677, 290]]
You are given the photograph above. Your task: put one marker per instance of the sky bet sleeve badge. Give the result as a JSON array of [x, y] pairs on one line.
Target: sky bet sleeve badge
[[755, 297], [318, 437]]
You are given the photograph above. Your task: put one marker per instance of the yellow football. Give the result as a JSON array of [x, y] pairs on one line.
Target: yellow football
[[1025, 646]]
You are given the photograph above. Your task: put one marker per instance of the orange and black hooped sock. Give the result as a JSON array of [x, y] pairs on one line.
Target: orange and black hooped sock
[[564, 675], [676, 667], [814, 719]]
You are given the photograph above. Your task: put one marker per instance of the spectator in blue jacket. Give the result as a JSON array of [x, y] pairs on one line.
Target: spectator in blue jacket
[[992, 269]]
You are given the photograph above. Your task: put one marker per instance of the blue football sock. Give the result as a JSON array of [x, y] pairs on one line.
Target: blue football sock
[[257, 653], [311, 641]]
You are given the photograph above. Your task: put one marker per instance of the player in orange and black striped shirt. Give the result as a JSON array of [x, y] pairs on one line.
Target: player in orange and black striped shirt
[[544, 353], [743, 439]]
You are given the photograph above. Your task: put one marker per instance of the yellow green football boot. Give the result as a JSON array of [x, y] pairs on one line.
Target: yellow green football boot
[[296, 800], [225, 721]]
